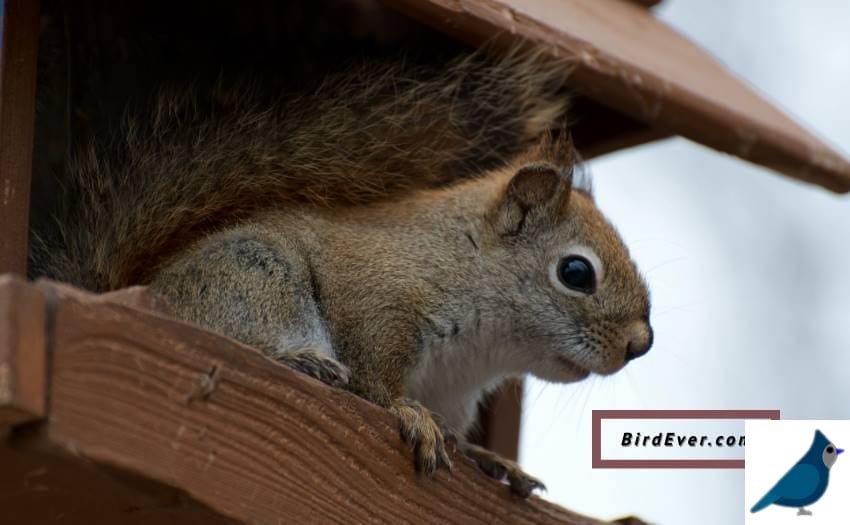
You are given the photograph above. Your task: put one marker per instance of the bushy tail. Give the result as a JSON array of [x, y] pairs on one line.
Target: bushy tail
[[371, 133]]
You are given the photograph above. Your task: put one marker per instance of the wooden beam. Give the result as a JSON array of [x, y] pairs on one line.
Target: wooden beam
[[19, 29], [636, 64], [23, 352], [168, 403], [42, 484]]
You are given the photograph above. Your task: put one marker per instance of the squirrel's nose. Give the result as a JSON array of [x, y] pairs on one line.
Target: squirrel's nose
[[639, 335]]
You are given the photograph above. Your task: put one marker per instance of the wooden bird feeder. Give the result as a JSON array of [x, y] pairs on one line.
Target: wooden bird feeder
[[110, 411]]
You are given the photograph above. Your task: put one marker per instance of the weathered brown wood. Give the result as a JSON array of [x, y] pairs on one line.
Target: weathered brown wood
[[39, 484], [18, 51], [23, 351], [251, 439], [135, 297], [499, 420], [630, 61]]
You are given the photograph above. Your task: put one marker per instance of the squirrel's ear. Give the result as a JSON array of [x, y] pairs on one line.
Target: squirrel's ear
[[533, 198]]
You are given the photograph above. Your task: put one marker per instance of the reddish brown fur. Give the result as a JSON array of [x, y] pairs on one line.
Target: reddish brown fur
[[370, 134]]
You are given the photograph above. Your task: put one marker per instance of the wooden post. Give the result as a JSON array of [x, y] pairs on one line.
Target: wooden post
[[23, 352], [19, 29], [500, 420]]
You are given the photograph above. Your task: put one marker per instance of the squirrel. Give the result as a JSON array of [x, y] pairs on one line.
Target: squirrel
[[413, 235]]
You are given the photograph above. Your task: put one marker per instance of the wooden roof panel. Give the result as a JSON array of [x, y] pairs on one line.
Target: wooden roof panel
[[631, 61]]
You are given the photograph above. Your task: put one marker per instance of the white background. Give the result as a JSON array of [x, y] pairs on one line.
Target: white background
[[773, 447], [748, 271]]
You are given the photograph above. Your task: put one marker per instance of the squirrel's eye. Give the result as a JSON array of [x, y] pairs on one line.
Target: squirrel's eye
[[830, 450], [577, 273]]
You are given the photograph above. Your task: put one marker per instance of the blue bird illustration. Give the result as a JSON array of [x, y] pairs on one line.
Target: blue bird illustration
[[806, 482]]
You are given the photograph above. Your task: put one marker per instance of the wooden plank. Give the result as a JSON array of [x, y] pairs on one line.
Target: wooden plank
[[630, 61], [19, 30], [253, 440], [136, 297], [39, 484], [23, 352]]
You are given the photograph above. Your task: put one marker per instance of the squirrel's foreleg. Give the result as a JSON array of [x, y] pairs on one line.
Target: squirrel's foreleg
[[255, 288]]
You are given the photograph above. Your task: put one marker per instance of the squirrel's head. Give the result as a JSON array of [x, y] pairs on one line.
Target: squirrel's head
[[580, 305]]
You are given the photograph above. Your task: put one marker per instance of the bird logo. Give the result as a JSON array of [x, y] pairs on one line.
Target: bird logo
[[806, 482]]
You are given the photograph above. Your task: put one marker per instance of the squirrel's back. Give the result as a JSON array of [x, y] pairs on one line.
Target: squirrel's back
[[187, 167]]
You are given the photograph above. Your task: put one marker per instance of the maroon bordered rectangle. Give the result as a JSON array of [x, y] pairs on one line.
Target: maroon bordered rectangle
[[599, 415]]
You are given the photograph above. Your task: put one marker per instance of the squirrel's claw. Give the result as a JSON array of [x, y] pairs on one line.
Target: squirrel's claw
[[499, 468], [523, 484], [316, 364], [421, 431]]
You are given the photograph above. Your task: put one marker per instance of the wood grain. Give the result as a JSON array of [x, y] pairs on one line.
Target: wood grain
[[23, 351], [39, 484], [636, 64], [18, 51], [251, 439]]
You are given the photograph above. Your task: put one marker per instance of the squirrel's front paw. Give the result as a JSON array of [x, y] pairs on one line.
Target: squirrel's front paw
[[424, 434], [316, 364], [499, 468]]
